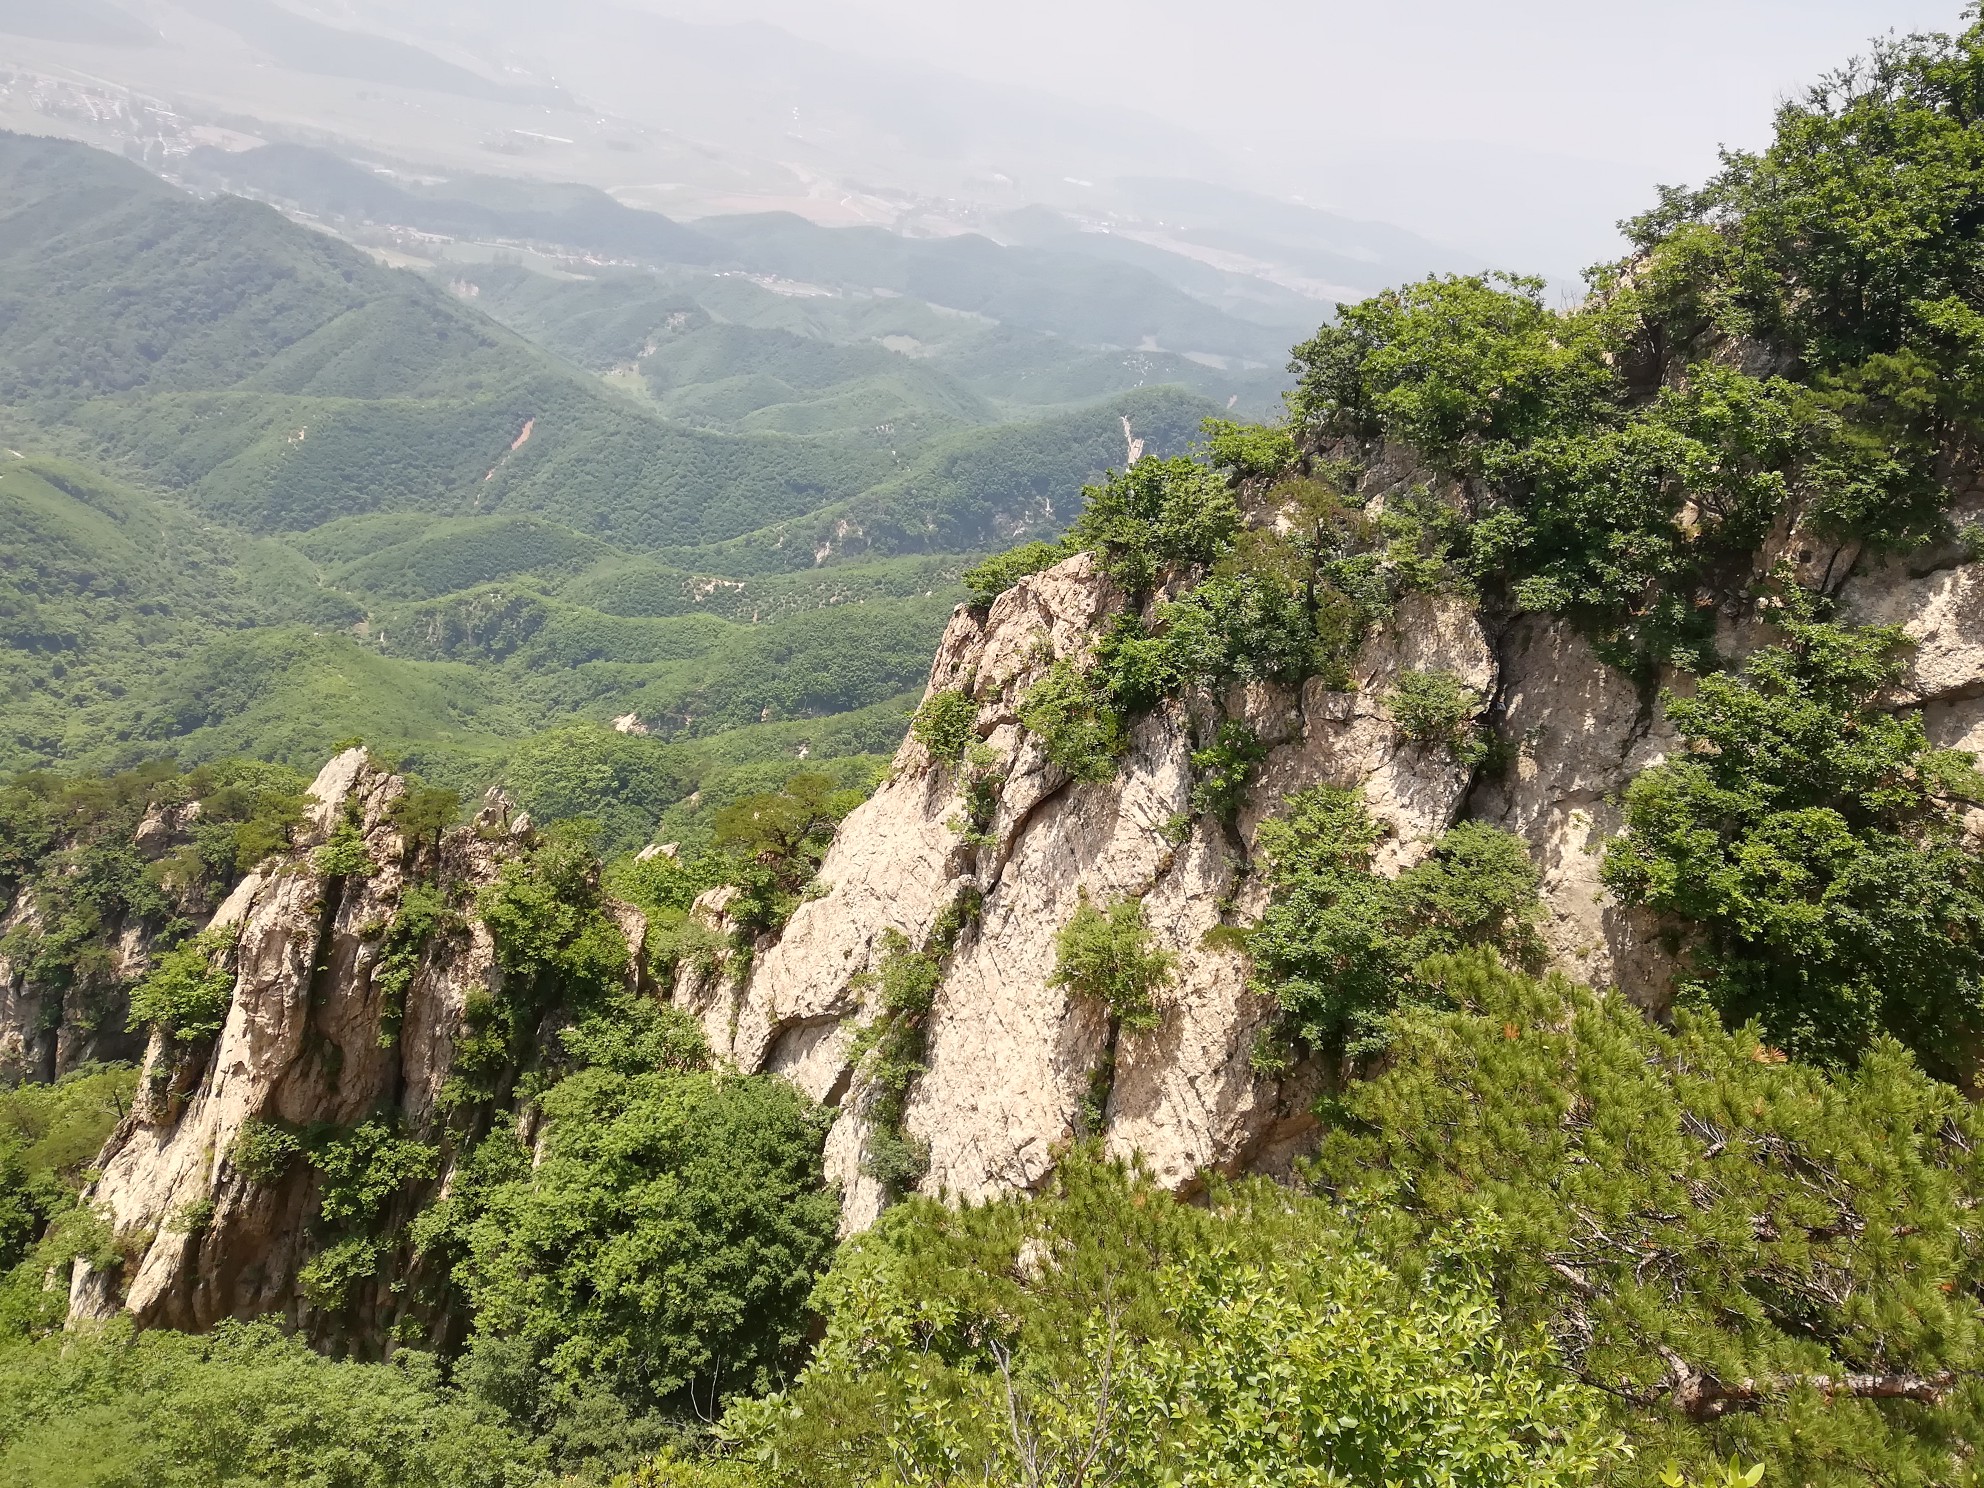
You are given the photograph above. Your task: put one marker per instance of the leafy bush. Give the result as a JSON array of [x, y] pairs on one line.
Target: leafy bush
[[1076, 721], [264, 1152], [1339, 944], [1811, 844], [663, 881], [49, 1136], [1221, 770], [344, 853], [1626, 470], [424, 913], [187, 992], [1453, 366], [890, 1049], [1104, 1332], [548, 919], [1108, 955], [665, 1244], [558, 946], [243, 1404], [1736, 1250], [1236, 627], [1156, 514], [425, 811], [362, 1170], [1436, 708], [775, 843], [587, 771], [994, 576], [1250, 451], [946, 723]]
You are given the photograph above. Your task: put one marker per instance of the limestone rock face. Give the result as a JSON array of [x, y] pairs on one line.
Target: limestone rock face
[[1016, 1067], [306, 1041]]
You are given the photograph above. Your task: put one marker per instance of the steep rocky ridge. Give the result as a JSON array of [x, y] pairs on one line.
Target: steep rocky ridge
[[1012, 1062], [309, 1040], [1012, 1066]]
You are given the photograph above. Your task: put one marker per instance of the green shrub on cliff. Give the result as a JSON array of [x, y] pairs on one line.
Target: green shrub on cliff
[[664, 1246], [1108, 955], [187, 992], [1812, 844], [1339, 945]]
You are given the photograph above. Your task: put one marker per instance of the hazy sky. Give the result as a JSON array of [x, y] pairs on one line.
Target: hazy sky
[[1380, 105]]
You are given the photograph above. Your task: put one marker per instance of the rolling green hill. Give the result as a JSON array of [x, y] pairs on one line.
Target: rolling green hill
[[266, 494]]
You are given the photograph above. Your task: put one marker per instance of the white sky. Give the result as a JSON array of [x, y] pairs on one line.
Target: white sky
[[1584, 102]]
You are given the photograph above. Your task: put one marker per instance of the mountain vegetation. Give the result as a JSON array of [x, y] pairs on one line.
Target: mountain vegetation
[[1542, 1236], [263, 494]]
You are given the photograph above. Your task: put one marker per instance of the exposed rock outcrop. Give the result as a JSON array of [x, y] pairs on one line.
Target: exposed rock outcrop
[[308, 1041], [1014, 1066]]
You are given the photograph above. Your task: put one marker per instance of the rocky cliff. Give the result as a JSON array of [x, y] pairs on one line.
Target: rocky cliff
[[1015, 1066], [978, 861], [311, 1040]]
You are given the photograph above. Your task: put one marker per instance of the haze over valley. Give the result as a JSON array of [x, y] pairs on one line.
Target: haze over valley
[[1094, 744]]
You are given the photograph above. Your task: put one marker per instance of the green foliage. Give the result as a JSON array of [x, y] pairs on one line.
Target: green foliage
[[1436, 708], [1155, 515], [363, 1169], [1873, 252], [1626, 471], [946, 723], [558, 946], [425, 812], [245, 1404], [984, 779], [1108, 954], [991, 578], [663, 881], [424, 913], [1250, 451], [775, 843], [344, 853], [1267, 605], [264, 1152], [890, 1049], [1716, 1238], [69, 844], [1454, 366], [1104, 1332], [548, 918], [49, 1135], [1811, 844], [1237, 626], [621, 781], [890, 1052], [665, 1244], [1340, 945], [1076, 720], [189, 989]]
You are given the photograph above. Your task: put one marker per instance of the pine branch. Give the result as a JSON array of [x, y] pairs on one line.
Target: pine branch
[[1699, 1396]]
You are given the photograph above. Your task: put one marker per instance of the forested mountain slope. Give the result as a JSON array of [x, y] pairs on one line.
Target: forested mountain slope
[[362, 501], [1438, 942]]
